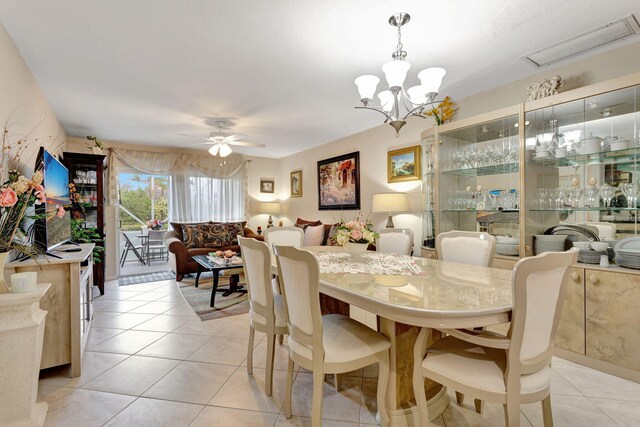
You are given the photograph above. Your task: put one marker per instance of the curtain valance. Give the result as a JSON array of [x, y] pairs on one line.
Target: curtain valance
[[153, 163]]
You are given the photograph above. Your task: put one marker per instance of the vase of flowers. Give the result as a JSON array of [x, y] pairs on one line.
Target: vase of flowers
[[444, 112], [355, 236], [156, 224], [17, 193]]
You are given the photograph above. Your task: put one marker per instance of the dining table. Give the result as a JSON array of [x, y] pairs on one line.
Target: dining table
[[407, 294]]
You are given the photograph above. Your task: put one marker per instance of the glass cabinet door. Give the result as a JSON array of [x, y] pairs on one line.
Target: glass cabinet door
[[479, 181], [428, 189], [582, 171]]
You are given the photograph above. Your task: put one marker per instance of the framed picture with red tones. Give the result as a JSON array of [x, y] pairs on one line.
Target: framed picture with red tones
[[339, 182]]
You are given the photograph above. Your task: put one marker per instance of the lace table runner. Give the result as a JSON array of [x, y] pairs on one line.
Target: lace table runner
[[373, 263]]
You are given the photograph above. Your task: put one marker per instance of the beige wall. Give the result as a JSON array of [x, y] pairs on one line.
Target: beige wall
[[24, 108], [584, 72]]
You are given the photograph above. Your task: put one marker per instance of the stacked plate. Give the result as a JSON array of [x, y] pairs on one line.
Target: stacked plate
[[589, 256], [628, 252], [548, 243]]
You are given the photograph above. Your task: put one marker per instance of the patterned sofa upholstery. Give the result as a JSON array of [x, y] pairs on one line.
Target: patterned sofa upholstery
[[186, 240]]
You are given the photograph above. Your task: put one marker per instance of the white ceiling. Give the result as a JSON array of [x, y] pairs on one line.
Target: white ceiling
[[282, 70]]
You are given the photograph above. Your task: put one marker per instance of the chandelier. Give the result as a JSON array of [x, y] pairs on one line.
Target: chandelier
[[412, 101]]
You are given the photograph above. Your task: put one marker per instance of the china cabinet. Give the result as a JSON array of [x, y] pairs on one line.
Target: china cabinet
[[87, 173], [567, 165], [428, 186], [479, 177]]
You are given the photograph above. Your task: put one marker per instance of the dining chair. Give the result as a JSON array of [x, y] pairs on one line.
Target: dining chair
[[329, 344], [283, 236], [509, 369], [466, 247], [267, 312], [395, 241], [130, 247]]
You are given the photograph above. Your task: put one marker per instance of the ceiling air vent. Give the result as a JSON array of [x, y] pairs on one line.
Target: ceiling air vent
[[590, 40]]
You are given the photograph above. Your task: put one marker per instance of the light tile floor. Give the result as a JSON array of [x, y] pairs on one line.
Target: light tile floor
[[151, 362]]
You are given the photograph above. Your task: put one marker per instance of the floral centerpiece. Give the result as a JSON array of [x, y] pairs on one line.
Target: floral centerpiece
[[156, 224], [444, 112], [355, 231]]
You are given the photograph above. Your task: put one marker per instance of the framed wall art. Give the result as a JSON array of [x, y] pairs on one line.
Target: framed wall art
[[295, 179], [267, 185], [403, 164], [339, 182]]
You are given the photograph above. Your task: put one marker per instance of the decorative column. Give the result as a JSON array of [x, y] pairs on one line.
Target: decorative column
[[21, 334]]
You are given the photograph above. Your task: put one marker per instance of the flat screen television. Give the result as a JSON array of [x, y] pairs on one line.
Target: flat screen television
[[53, 226]]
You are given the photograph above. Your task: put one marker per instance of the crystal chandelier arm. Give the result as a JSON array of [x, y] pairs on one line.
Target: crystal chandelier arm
[[389, 118]]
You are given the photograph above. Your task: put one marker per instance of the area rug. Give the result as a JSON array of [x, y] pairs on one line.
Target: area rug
[[158, 276], [200, 297]]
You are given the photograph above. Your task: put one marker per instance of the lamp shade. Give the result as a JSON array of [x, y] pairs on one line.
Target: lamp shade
[[367, 85], [225, 150], [431, 79], [269, 207], [416, 95], [390, 202], [214, 150], [386, 100], [395, 72]]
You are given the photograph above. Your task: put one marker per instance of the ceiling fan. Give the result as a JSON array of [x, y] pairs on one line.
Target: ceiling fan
[[220, 142]]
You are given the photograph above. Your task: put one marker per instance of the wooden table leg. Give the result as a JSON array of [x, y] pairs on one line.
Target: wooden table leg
[[216, 278], [198, 274], [400, 398]]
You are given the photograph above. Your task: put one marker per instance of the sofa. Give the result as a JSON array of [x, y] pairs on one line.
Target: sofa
[[186, 240]]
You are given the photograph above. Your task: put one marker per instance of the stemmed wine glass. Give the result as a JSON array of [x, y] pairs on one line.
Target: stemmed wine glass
[[607, 192], [542, 195], [630, 191], [591, 193]]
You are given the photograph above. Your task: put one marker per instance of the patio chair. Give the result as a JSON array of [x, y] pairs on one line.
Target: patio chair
[[129, 246], [155, 250]]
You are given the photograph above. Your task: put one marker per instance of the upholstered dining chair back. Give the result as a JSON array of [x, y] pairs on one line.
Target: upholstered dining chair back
[[538, 296], [284, 236], [256, 261], [466, 247], [299, 273], [395, 241]]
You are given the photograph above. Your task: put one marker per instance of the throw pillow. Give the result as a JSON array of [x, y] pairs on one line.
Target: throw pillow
[[212, 236], [177, 227], [313, 235], [300, 222]]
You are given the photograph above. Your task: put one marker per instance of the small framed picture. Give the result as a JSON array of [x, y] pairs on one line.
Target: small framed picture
[[403, 164], [267, 185], [296, 183]]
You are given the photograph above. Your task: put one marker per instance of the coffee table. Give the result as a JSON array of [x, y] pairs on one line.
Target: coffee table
[[204, 264]]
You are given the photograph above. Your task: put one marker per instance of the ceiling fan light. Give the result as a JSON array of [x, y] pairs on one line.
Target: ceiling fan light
[[367, 85], [225, 150], [431, 79], [417, 95], [386, 100], [395, 72], [214, 150]]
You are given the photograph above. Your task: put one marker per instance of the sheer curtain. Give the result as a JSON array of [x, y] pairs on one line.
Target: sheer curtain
[[196, 197], [201, 188]]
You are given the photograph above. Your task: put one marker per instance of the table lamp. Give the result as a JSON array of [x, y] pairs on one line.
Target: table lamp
[[390, 203], [270, 208]]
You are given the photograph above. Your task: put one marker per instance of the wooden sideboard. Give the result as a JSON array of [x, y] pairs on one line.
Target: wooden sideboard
[[69, 303]]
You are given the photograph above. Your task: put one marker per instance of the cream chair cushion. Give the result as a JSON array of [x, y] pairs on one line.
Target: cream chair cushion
[[479, 367], [465, 250], [344, 340], [279, 310]]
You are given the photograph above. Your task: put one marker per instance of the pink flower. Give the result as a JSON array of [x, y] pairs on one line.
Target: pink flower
[[8, 197], [40, 194], [60, 212], [356, 234]]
